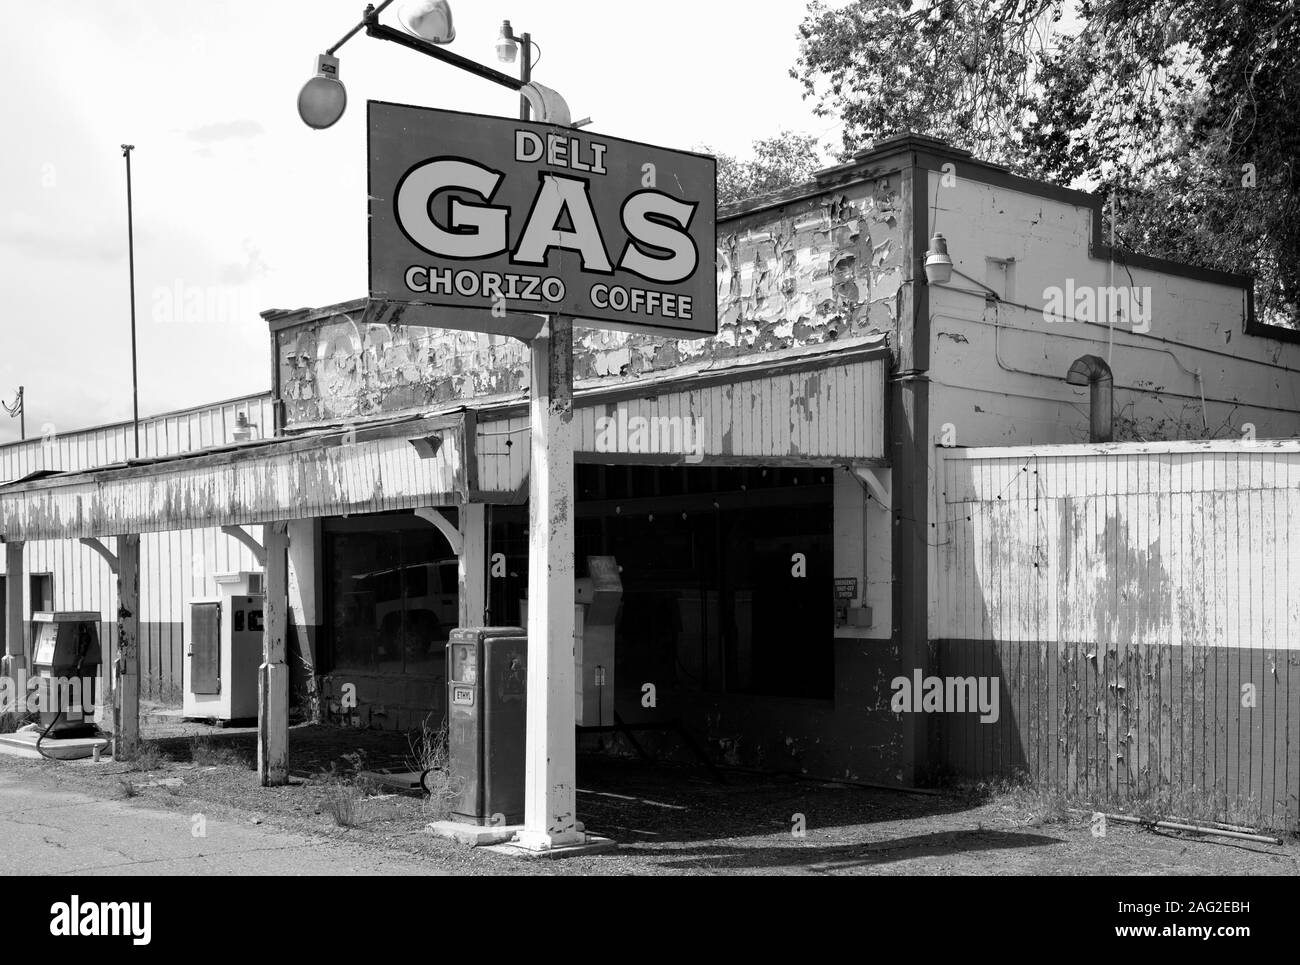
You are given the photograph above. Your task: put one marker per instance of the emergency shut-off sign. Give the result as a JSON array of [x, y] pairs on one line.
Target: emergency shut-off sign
[[470, 211]]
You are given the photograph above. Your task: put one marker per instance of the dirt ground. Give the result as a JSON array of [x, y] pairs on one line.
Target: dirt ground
[[666, 819]]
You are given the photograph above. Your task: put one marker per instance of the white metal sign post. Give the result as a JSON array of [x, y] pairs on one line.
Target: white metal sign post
[[550, 802], [511, 220]]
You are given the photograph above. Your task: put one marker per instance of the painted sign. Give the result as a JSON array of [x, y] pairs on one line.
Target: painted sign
[[508, 216]]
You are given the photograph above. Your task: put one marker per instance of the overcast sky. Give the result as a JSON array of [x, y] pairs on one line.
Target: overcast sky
[[239, 206]]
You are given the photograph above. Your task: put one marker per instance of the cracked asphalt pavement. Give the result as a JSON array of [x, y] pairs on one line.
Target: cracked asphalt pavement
[[46, 830]]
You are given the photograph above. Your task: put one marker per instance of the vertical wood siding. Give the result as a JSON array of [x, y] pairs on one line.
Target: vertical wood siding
[[175, 566], [835, 411], [1132, 600]]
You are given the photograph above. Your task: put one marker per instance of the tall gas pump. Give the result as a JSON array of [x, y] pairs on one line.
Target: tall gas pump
[[487, 689]]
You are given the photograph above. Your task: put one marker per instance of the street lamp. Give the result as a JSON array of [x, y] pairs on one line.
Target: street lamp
[[507, 50], [430, 19], [507, 44], [428, 23], [323, 99]]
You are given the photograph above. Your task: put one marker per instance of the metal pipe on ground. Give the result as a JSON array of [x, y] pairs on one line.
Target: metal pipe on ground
[[1181, 826]]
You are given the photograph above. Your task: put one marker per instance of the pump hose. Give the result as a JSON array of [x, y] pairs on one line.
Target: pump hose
[[82, 647], [45, 733]]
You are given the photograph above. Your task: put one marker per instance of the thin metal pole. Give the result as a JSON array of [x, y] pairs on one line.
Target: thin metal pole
[[22, 413], [130, 245], [525, 72]]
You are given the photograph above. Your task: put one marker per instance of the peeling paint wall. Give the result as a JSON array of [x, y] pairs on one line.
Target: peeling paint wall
[[806, 273], [1142, 614], [998, 367]]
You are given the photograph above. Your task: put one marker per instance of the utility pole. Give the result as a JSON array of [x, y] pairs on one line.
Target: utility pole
[[130, 245], [525, 71]]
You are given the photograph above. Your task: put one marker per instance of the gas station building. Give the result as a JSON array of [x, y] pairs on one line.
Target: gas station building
[[761, 501]]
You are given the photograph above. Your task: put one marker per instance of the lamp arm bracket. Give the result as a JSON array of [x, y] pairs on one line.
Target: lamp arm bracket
[[382, 32]]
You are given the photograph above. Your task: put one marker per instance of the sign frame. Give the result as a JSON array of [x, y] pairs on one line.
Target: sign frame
[[512, 316]]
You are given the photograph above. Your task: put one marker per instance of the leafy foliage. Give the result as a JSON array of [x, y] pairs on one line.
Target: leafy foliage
[[779, 162], [1186, 112]]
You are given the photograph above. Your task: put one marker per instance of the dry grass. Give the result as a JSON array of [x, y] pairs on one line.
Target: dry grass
[[10, 721], [431, 755], [207, 752], [342, 803], [1190, 806], [1032, 804], [147, 757], [1041, 804]]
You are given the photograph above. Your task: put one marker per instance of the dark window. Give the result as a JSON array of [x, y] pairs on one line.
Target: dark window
[[727, 574], [507, 563], [42, 592], [387, 612], [417, 580]]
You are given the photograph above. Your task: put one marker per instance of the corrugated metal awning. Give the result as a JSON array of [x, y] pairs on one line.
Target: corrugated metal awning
[[818, 405], [355, 470]]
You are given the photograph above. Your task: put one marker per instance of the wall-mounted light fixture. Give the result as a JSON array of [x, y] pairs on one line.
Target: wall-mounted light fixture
[[938, 264]]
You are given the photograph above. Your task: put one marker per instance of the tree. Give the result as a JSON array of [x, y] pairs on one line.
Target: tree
[[1185, 112], [779, 162]]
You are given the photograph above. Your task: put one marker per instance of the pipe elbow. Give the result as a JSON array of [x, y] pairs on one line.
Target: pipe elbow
[[1087, 369]]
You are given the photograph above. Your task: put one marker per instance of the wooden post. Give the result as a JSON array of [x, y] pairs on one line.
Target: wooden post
[[472, 567], [273, 675], [14, 661], [549, 772], [126, 668]]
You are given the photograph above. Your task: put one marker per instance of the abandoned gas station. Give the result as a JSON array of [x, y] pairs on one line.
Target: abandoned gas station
[[765, 517]]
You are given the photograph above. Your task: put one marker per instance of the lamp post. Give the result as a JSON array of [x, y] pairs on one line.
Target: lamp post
[[508, 46], [323, 99], [550, 751], [550, 763]]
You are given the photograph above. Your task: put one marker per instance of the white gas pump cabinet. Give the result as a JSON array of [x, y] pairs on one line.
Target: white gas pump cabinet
[[223, 649]]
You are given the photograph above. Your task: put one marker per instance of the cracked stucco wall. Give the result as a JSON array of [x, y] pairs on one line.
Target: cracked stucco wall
[[805, 273]]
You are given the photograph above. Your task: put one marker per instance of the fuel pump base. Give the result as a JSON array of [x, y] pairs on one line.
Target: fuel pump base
[[23, 744]]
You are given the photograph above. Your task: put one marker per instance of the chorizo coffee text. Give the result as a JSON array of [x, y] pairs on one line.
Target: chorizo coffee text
[[445, 206]]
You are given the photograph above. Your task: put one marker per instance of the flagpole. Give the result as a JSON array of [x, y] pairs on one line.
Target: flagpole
[[130, 243]]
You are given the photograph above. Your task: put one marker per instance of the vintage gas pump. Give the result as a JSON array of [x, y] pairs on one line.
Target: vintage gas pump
[[66, 663], [223, 649], [599, 596], [487, 687], [487, 690]]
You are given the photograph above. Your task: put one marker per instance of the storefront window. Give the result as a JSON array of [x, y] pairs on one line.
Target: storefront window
[[393, 594], [727, 574]]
